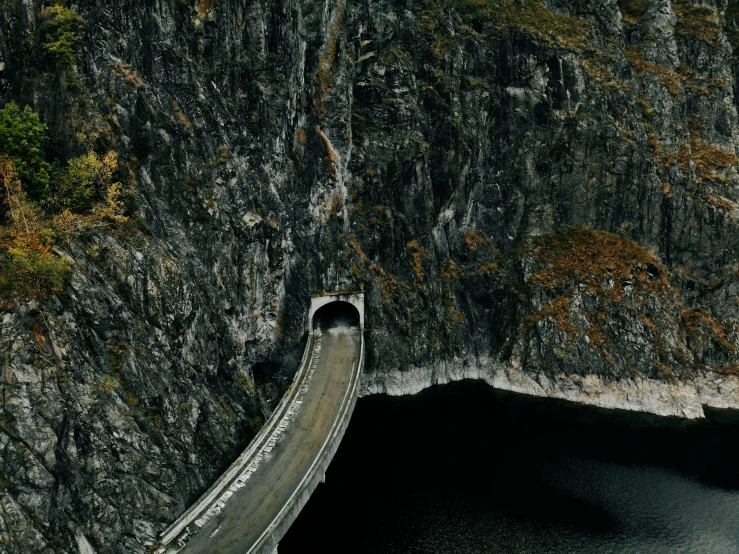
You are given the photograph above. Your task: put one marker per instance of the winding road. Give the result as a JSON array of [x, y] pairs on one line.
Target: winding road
[[244, 522]]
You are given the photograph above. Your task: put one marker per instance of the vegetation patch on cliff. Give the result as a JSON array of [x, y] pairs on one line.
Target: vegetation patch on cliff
[[54, 183], [698, 21], [668, 78], [584, 256], [632, 10], [699, 324], [530, 17], [585, 281], [60, 27]]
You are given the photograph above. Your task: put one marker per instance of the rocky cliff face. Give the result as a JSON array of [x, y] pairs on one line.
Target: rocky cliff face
[[530, 192]]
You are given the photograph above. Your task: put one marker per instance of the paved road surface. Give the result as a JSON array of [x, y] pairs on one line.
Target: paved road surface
[[253, 507]]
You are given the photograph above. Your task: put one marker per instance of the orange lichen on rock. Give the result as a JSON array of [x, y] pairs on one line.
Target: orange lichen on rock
[[593, 258], [418, 256], [699, 323], [618, 275], [450, 270], [475, 239]]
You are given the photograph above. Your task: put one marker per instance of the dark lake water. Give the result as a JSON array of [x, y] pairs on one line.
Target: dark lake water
[[463, 469]]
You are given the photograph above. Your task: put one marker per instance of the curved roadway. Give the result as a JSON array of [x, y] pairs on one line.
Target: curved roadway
[[251, 509]]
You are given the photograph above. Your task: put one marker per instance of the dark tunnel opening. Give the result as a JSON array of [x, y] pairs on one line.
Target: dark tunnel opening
[[336, 314]]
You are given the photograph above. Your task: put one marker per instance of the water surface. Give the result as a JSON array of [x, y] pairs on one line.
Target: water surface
[[464, 469]]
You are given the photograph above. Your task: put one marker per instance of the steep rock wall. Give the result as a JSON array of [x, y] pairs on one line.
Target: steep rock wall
[[546, 188]]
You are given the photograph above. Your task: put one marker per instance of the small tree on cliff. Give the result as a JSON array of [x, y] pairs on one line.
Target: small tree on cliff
[[60, 27], [22, 141]]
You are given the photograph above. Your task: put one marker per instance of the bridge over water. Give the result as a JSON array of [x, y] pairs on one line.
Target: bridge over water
[[252, 505]]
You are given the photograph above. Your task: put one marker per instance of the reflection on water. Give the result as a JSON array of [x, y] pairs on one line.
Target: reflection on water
[[463, 469]]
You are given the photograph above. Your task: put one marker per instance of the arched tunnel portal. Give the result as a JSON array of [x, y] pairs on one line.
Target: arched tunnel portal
[[334, 315], [341, 309]]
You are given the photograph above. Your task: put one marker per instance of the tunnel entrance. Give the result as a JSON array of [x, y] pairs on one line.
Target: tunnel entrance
[[334, 315]]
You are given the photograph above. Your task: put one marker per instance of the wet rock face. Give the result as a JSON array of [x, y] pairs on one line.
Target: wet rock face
[[548, 188]]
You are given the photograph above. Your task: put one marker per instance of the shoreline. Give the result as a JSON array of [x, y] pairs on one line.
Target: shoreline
[[684, 400]]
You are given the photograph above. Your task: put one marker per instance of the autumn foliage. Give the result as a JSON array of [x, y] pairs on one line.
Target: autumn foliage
[[31, 268]]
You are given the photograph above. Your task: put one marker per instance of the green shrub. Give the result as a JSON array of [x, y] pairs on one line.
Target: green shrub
[[106, 385], [255, 424], [86, 178], [33, 273], [22, 140]]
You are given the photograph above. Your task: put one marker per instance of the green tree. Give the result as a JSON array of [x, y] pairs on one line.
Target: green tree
[[60, 28], [22, 140]]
